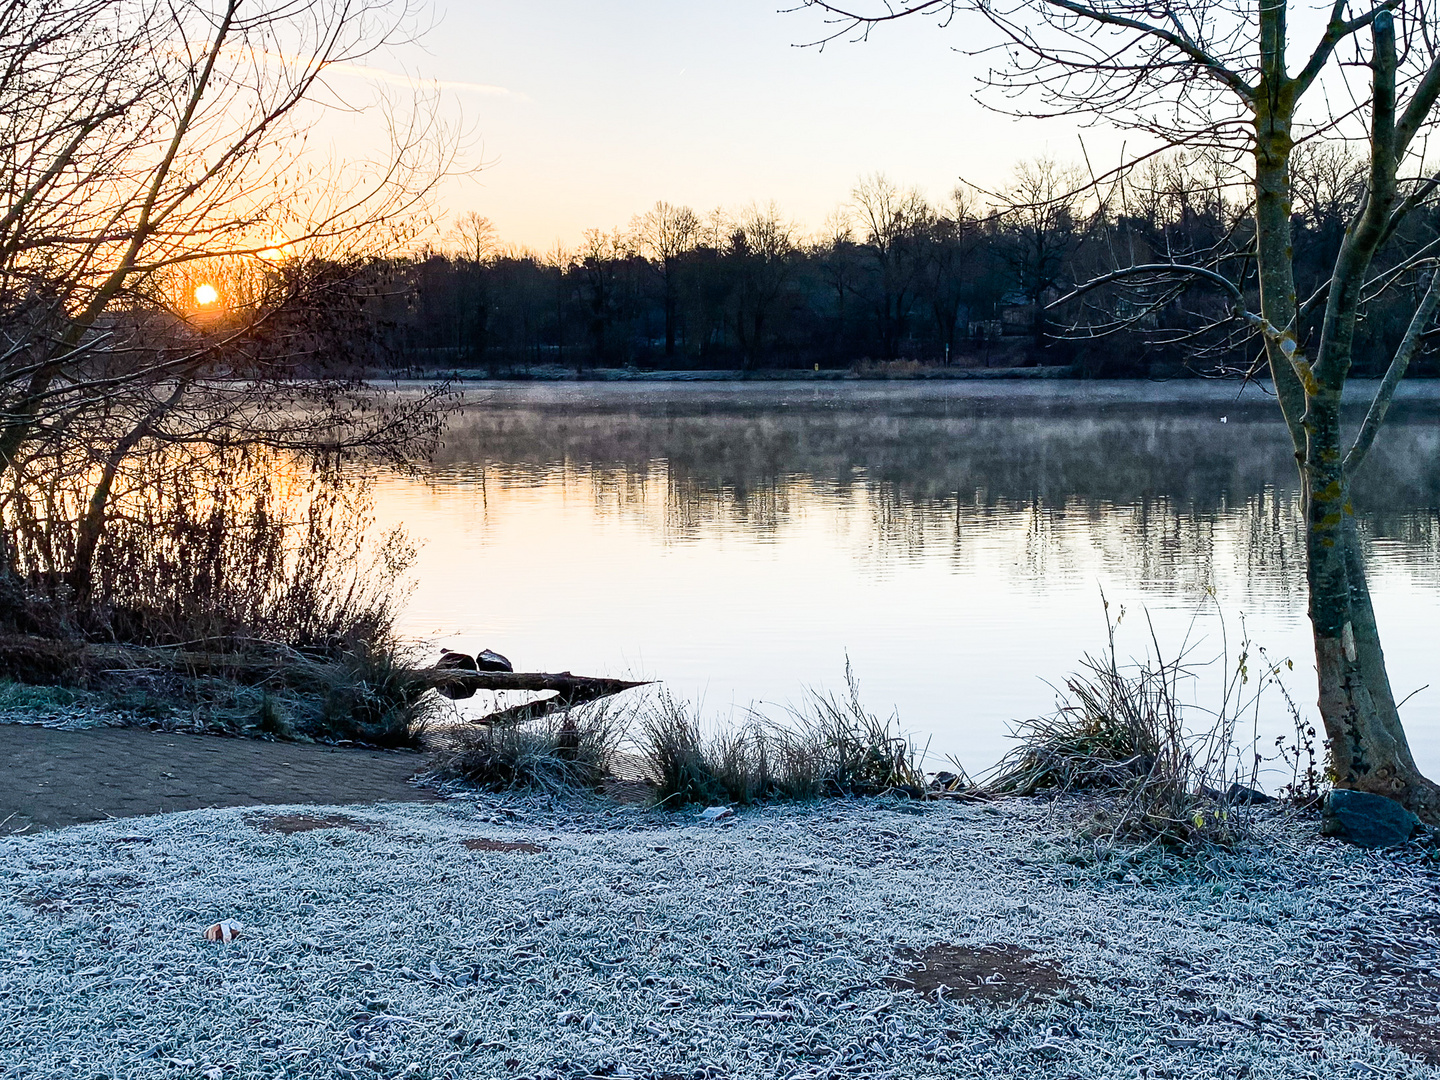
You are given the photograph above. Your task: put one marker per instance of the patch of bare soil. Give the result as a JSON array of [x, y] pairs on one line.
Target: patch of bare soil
[[50, 779], [1401, 965], [289, 824], [1416, 1036], [480, 843], [996, 973]]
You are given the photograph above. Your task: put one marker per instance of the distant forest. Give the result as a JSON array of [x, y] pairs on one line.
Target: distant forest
[[895, 283]]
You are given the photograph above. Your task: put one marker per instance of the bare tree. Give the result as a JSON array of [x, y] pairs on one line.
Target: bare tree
[[1221, 76], [666, 234], [149, 137], [890, 221], [474, 237], [600, 259], [838, 260], [176, 267], [760, 249], [949, 265], [1039, 216]]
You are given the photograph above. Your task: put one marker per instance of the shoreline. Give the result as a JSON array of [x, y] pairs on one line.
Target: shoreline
[[549, 373], [555, 373]]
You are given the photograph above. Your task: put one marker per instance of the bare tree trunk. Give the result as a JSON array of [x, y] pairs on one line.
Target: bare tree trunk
[[89, 530], [670, 305], [92, 524], [1368, 747]]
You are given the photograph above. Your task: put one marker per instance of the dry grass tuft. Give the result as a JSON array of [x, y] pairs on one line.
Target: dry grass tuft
[[573, 749], [828, 747]]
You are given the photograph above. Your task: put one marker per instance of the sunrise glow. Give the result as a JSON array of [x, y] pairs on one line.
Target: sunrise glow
[[206, 294]]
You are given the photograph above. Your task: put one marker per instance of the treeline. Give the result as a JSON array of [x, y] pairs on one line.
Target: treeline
[[893, 277]]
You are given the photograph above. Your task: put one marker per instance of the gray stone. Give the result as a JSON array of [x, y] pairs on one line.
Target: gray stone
[[1366, 820], [489, 660], [455, 661]]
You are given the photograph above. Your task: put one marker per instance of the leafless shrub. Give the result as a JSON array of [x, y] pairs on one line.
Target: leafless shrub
[[1126, 730], [235, 544], [234, 591]]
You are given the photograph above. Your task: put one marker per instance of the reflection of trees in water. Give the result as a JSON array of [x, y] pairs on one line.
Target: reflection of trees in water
[[1153, 541], [694, 508], [1157, 494]]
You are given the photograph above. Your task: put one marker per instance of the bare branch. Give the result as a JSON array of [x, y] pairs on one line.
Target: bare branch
[[1380, 405]]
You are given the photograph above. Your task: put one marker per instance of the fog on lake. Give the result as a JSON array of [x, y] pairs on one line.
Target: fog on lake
[[740, 541]]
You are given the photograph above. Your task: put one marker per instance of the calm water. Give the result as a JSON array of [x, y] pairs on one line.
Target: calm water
[[740, 542]]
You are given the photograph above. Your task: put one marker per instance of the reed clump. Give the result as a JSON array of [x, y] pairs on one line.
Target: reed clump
[[827, 747]]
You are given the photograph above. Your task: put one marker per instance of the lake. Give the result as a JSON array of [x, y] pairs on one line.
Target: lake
[[741, 542]]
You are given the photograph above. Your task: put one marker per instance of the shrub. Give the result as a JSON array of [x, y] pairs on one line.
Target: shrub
[[232, 590], [368, 694], [1125, 731]]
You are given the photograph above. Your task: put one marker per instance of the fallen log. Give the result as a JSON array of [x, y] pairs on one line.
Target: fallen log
[[29, 658], [569, 690]]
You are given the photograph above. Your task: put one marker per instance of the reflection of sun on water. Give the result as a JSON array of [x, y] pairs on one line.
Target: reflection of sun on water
[[206, 294]]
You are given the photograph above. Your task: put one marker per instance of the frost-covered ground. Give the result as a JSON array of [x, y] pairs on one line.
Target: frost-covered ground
[[644, 945]]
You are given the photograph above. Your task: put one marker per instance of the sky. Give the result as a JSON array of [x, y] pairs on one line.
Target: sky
[[586, 112]]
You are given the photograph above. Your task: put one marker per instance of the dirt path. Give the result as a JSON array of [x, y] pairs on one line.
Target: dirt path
[[49, 779]]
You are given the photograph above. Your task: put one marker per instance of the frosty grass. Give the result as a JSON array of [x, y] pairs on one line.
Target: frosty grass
[[642, 944]]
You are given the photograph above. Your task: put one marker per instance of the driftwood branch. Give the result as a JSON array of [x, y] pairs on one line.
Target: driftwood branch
[[570, 690]]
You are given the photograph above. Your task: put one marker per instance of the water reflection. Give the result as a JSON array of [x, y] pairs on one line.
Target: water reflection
[[740, 540]]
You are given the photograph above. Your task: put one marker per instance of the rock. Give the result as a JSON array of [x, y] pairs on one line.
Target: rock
[[1240, 795], [1235, 795], [492, 661], [457, 661], [1366, 820], [712, 814]]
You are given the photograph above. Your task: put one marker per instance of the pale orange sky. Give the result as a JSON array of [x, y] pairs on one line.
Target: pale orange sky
[[584, 113], [589, 112]]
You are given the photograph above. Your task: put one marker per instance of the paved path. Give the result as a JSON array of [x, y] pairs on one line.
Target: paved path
[[49, 778]]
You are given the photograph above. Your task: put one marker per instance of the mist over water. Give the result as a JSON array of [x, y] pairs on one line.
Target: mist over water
[[739, 542]]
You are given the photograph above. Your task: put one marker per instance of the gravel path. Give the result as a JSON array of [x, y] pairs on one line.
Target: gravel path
[[435, 941], [51, 778]]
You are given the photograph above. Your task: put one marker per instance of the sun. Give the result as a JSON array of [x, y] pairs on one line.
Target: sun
[[282, 249], [206, 294]]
